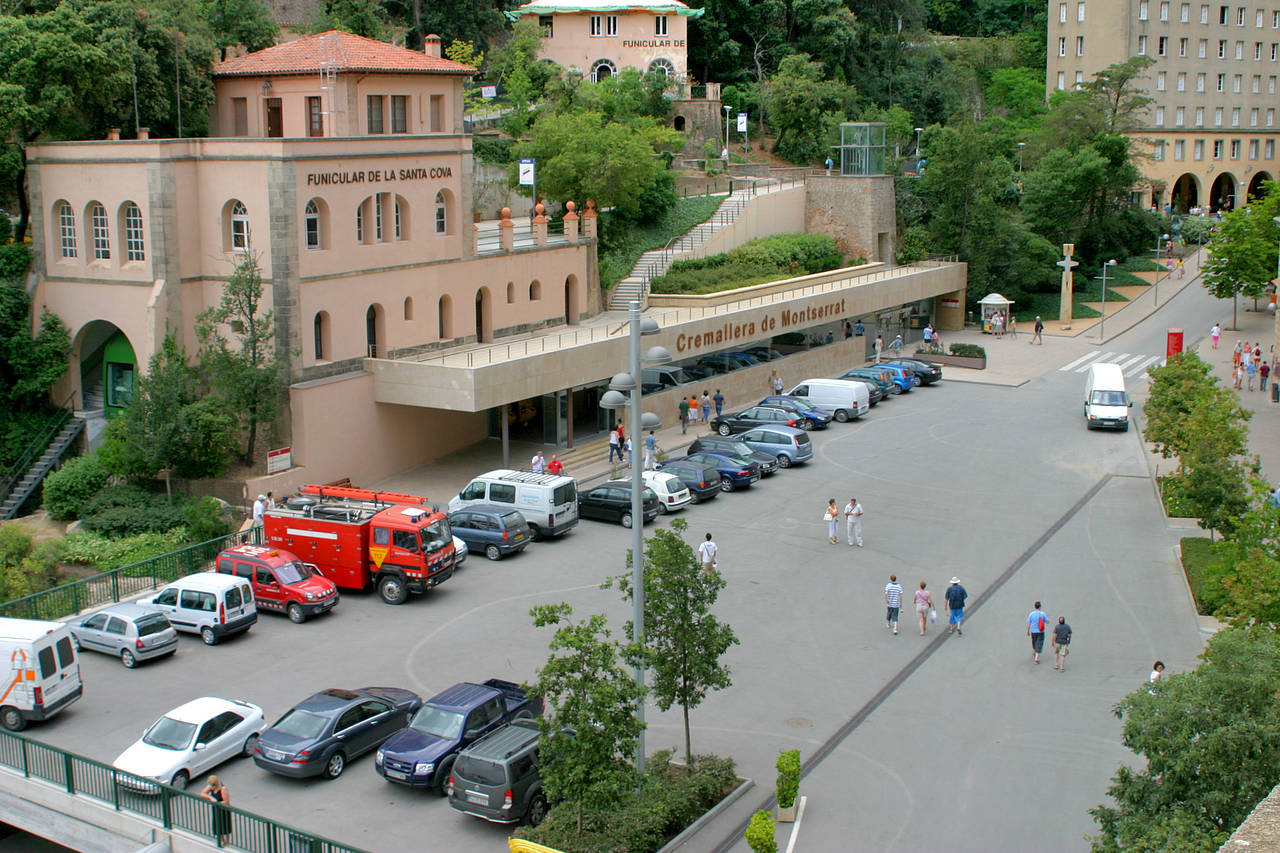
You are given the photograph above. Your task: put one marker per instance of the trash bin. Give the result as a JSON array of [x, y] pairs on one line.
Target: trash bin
[[1275, 392]]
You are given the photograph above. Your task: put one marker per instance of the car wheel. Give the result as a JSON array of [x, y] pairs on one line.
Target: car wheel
[[442, 777], [250, 744], [493, 552], [806, 424], [392, 590], [127, 658], [694, 497], [11, 719], [784, 461], [335, 765], [725, 485], [626, 520], [207, 635], [842, 416], [296, 616], [535, 533], [180, 779], [724, 429], [662, 508], [537, 810]]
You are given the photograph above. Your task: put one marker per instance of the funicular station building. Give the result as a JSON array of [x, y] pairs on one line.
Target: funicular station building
[[409, 330]]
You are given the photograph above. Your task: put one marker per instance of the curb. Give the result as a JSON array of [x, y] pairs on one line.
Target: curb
[[707, 817]]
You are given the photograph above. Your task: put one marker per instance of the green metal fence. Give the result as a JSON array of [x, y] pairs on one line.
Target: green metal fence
[[110, 587], [172, 808]]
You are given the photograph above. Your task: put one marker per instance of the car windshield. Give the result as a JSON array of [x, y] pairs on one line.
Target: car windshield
[[300, 724], [292, 572], [436, 535], [481, 771], [169, 733], [152, 623], [1108, 398], [437, 721]]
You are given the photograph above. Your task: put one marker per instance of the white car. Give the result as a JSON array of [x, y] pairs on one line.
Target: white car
[[460, 552], [672, 493], [190, 740]]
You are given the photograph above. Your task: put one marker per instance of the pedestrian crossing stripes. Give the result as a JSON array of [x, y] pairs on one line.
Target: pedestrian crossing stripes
[[1131, 364]]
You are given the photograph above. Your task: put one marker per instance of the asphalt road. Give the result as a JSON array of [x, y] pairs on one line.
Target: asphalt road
[[958, 743]]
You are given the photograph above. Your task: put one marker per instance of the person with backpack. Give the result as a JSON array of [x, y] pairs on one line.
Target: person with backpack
[[1036, 621]]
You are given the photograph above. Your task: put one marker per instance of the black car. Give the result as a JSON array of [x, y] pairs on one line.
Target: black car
[[874, 394], [319, 735], [928, 373], [611, 501], [702, 481], [811, 416], [736, 447], [753, 417]]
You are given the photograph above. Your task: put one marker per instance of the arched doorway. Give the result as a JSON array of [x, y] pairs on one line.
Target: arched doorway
[[107, 368], [572, 308], [679, 123], [445, 316], [1222, 195], [374, 331], [484, 316], [1255, 185], [1185, 194]]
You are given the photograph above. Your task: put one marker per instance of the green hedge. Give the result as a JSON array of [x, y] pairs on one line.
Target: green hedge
[[968, 351], [128, 510], [68, 489], [495, 150], [756, 262]]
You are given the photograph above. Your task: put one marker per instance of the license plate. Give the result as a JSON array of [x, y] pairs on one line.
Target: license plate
[[274, 754], [396, 774], [477, 797]]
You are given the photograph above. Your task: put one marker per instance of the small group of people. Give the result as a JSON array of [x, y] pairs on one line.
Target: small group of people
[[931, 336], [260, 507], [955, 598], [540, 465], [697, 409], [1247, 364], [1037, 624], [1001, 321], [852, 513], [878, 347], [619, 443]]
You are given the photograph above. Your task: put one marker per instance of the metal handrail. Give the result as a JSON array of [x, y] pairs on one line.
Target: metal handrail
[[37, 447]]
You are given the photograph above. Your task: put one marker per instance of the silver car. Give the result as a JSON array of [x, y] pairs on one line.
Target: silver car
[[790, 445], [128, 632]]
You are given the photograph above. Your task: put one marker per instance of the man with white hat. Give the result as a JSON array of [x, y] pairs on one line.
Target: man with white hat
[[956, 594], [259, 510]]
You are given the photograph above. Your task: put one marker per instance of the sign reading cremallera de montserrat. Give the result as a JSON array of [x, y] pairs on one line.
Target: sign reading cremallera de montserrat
[[379, 176], [721, 332]]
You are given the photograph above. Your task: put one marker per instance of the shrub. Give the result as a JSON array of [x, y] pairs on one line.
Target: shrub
[[67, 490], [495, 150], [760, 833], [788, 777], [14, 260], [205, 519], [810, 253], [15, 544], [129, 510], [914, 245], [968, 351], [105, 554]]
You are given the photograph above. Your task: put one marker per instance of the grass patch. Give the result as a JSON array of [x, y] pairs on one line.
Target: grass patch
[[623, 242], [758, 261], [1196, 559]]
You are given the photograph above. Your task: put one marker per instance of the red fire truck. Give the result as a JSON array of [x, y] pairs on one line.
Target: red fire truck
[[357, 537]]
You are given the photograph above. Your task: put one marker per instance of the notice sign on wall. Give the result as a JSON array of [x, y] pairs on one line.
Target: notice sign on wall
[[490, 92], [526, 172], [279, 460]]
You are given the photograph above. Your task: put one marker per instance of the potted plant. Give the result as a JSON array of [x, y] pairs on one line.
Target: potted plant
[[760, 833], [788, 784]]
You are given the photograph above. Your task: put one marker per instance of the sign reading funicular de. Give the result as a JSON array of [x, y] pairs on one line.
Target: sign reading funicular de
[[729, 331]]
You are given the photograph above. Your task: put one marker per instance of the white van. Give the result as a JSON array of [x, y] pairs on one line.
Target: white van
[[210, 604], [40, 669], [548, 502], [841, 397], [1106, 404]]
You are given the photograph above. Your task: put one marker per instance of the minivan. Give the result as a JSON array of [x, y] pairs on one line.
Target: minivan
[[498, 777], [843, 398], [210, 604], [492, 530], [792, 446], [281, 582], [548, 502], [44, 671], [1106, 404]]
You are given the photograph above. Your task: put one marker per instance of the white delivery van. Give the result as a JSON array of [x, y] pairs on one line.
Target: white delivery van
[[40, 669], [548, 502], [842, 398], [210, 604], [1106, 403]]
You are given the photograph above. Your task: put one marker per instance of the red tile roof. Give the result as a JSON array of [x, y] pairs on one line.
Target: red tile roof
[[347, 52]]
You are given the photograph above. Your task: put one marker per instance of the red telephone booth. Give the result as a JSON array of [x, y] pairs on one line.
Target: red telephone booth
[[1174, 345]]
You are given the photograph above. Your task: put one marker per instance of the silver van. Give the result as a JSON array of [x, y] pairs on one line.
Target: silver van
[[210, 604]]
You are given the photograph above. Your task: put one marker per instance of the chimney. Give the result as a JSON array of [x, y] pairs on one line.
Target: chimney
[[113, 134], [144, 133], [431, 45]]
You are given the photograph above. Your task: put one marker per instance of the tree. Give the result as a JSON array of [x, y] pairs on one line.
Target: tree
[[589, 731], [30, 365], [683, 641], [466, 53], [1242, 253], [476, 21], [1209, 739], [245, 370], [240, 22], [1190, 415], [804, 108], [366, 18], [1111, 104]]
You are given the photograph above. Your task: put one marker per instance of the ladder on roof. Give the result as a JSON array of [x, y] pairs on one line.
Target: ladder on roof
[[330, 61]]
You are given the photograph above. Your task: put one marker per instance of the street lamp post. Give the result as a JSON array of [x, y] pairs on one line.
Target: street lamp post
[[616, 398], [919, 130], [1021, 145], [1155, 285], [1102, 324], [727, 110]]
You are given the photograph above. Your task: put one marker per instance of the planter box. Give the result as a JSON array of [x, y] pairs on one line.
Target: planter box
[[954, 360], [788, 815]]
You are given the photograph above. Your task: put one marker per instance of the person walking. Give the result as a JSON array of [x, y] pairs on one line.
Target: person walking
[[718, 399], [892, 603], [1039, 330], [853, 522], [1264, 370], [626, 445], [1061, 644], [216, 792], [707, 554], [538, 463], [693, 408], [879, 347], [1216, 334], [1235, 354], [832, 518], [615, 445], [775, 382], [1250, 371], [1013, 325], [1037, 619], [896, 346], [955, 597], [650, 451], [259, 510], [705, 405], [555, 466], [684, 416], [924, 605]]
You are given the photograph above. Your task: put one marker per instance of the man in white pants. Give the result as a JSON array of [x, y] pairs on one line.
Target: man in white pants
[[853, 521], [707, 554]]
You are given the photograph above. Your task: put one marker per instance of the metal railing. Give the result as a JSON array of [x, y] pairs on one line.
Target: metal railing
[[172, 808], [118, 584], [37, 447]]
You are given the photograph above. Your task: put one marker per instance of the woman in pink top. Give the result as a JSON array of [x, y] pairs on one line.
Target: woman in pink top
[[924, 603]]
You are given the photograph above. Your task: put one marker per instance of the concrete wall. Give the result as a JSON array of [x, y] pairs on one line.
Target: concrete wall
[[781, 212], [859, 212], [703, 121]]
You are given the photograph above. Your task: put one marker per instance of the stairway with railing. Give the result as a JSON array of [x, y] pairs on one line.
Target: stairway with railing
[[44, 452]]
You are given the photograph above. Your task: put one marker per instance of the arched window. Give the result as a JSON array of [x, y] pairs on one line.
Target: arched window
[[378, 234], [66, 229], [100, 228], [320, 328], [360, 221], [239, 227], [535, 290], [511, 292], [442, 213], [663, 66], [408, 307], [402, 218], [602, 69], [312, 225], [134, 243]]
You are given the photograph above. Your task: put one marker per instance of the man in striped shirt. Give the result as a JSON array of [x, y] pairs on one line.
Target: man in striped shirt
[[893, 602]]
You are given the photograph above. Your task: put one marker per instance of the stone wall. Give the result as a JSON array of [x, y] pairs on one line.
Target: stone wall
[[703, 121], [858, 211]]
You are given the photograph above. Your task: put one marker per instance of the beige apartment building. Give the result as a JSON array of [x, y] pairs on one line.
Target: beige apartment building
[[1212, 132], [601, 37]]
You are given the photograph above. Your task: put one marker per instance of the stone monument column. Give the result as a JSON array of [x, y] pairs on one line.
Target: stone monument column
[[1068, 297]]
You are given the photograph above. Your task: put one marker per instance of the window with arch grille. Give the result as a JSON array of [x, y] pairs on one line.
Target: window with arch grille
[[442, 214], [67, 230], [311, 217], [239, 227], [134, 247], [101, 232]]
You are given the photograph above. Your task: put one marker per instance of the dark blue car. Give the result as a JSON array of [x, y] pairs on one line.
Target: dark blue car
[[492, 530], [813, 418], [736, 472]]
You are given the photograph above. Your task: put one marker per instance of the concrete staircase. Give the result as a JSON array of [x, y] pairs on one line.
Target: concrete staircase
[[656, 261], [16, 491]]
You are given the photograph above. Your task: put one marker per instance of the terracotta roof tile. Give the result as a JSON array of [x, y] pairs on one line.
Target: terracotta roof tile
[[349, 52]]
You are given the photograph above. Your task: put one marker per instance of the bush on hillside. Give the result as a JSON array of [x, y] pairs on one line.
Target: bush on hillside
[[756, 262], [127, 510], [14, 260], [67, 489]]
